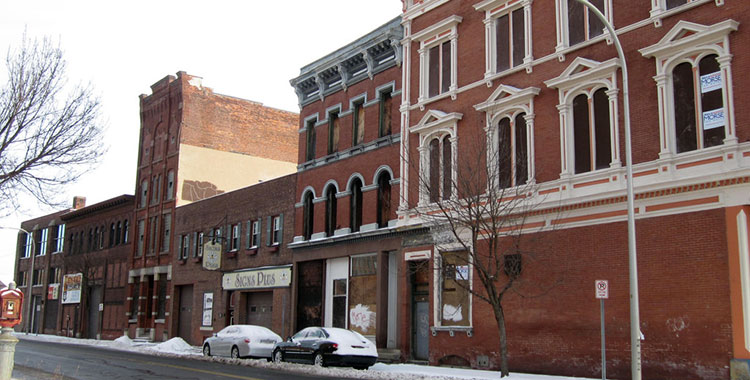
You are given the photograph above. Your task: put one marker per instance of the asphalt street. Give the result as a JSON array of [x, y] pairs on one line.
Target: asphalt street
[[46, 360]]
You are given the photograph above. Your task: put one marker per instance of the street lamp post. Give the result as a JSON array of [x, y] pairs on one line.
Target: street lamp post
[[635, 323], [29, 274]]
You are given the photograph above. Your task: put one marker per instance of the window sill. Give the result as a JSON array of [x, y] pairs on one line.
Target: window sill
[[452, 330], [424, 102], [231, 254], [197, 259], [252, 251], [274, 247], [181, 261], [133, 320]]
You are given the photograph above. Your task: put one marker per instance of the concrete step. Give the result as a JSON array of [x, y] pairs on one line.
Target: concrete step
[[389, 355]]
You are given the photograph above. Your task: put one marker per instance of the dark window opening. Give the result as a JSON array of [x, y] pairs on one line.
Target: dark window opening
[[358, 126], [386, 103], [355, 203], [512, 265], [384, 199], [310, 148], [330, 211], [308, 216], [333, 132]]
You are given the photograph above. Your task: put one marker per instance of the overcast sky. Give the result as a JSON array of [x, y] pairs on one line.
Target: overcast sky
[[248, 49]]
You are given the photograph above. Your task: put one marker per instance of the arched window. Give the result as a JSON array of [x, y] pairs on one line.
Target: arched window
[[384, 199], [308, 216], [440, 181], [91, 240], [699, 123], [355, 205], [591, 137], [118, 233], [111, 235], [512, 153], [125, 233], [330, 210]]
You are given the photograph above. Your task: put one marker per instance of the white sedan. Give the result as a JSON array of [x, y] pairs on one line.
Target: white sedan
[[240, 341]]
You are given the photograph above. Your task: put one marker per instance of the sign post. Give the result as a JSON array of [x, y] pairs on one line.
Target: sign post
[[602, 293]]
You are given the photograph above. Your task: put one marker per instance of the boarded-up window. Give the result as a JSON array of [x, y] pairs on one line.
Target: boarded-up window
[[455, 305], [504, 153], [434, 179], [333, 132], [675, 3], [330, 210], [310, 141], [386, 102], [358, 130], [355, 205], [362, 297], [521, 153], [384, 199], [308, 216]]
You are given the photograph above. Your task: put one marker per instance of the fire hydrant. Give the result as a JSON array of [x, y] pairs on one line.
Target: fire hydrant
[[11, 301]]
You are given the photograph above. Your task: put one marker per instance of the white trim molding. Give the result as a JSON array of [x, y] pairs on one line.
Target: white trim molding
[[585, 76], [690, 42], [494, 9], [436, 34]]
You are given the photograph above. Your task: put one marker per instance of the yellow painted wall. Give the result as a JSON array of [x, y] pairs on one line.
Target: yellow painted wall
[[219, 171]]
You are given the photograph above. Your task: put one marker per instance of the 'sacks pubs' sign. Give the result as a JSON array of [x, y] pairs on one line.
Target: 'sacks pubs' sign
[[270, 277]]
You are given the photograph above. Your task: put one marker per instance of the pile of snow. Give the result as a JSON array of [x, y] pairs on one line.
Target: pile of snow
[[174, 346], [124, 341]]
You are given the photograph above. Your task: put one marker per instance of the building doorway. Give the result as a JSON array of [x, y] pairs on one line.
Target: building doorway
[[94, 299], [420, 300], [184, 326], [260, 309]]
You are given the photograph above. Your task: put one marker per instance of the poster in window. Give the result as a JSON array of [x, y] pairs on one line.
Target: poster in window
[[71, 292], [53, 291], [208, 305], [713, 119], [462, 272], [711, 82]]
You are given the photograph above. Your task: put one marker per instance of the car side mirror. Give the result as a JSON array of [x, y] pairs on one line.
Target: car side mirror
[[289, 339]]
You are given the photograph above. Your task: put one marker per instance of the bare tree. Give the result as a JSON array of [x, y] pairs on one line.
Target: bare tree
[[480, 216], [50, 133]]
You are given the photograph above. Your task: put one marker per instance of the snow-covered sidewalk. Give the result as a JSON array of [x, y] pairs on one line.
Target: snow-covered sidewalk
[[177, 347]]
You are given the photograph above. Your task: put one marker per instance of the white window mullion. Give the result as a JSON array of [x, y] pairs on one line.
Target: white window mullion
[[613, 126]]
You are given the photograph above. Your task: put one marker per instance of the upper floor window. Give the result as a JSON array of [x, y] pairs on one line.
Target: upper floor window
[[385, 112], [112, 232], [330, 210], [507, 34], [254, 227], [199, 244], [358, 123], [512, 151], [333, 132], [437, 155], [144, 193], [42, 243], [438, 58], [308, 215], [184, 246], [28, 244], [125, 232], [118, 233], [576, 23], [693, 66], [276, 223], [59, 238], [588, 112], [310, 140], [166, 236], [234, 239], [170, 185], [660, 6], [384, 199], [157, 189], [355, 205]]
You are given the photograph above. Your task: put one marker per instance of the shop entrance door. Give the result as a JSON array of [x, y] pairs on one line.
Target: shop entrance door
[[186, 312]]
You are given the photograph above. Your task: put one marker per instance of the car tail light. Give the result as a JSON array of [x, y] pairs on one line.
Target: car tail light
[[247, 340], [335, 346]]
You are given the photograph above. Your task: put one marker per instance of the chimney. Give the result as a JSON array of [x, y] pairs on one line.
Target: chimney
[[79, 202]]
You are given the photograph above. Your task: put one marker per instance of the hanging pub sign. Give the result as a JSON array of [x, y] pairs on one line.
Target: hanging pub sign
[[71, 292], [212, 256]]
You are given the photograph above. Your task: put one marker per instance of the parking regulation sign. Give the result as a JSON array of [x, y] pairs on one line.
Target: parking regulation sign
[[602, 289]]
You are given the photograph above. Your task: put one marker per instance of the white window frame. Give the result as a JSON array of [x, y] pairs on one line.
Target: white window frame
[[234, 239], [563, 39], [436, 124], [255, 234], [43, 242], [493, 10], [199, 245], [659, 8], [276, 230], [28, 247], [508, 101], [60, 242], [690, 42], [434, 35], [585, 76], [185, 246]]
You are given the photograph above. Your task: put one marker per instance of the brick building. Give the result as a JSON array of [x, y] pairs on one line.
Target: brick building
[[99, 241], [39, 268], [347, 183], [542, 83], [251, 284], [194, 144]]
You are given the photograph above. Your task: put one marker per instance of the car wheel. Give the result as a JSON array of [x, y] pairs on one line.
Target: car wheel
[[278, 356], [319, 362], [206, 350], [235, 352]]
